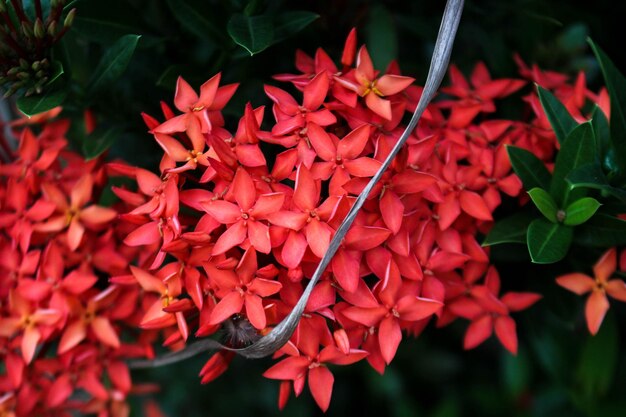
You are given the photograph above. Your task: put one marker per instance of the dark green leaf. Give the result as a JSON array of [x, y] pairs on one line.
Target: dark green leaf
[[602, 231], [33, 105], [113, 63], [578, 149], [548, 242], [601, 131], [516, 372], [99, 141], [195, 16], [616, 84], [561, 121], [544, 203], [288, 23], [529, 168], [509, 230], [598, 360], [381, 36], [105, 21], [591, 176], [253, 33], [56, 72], [580, 211]]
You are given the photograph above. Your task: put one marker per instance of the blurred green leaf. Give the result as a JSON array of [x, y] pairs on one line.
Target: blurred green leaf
[[509, 230], [561, 121], [598, 360], [99, 141], [529, 168], [616, 85], [580, 211], [578, 149], [381, 36], [253, 33], [288, 23], [195, 17], [104, 21], [516, 372], [548, 242], [601, 130], [544, 203], [50, 99], [113, 63], [602, 231]]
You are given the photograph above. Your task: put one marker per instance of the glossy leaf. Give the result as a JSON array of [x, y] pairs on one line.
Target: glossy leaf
[[616, 85], [99, 141], [544, 203], [529, 168], [195, 17], [577, 150], [561, 121], [113, 63], [601, 130], [253, 33], [104, 21], [602, 231], [580, 211], [509, 230], [548, 242]]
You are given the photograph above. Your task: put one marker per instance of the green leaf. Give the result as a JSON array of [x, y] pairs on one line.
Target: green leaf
[[288, 23], [509, 230], [50, 99], [616, 85], [105, 21], [99, 141], [561, 121], [113, 63], [544, 203], [601, 130], [253, 33], [602, 231], [548, 242], [529, 168], [195, 16], [56, 72], [580, 211], [381, 36], [598, 361], [591, 176], [577, 150]]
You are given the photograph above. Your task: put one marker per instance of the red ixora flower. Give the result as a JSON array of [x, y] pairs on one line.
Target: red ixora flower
[[599, 286]]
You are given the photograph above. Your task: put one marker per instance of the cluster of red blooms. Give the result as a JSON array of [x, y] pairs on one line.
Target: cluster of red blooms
[[223, 238]]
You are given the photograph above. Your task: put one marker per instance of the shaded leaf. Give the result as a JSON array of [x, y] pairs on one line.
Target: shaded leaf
[[544, 203], [50, 99], [616, 85], [561, 121], [602, 231], [104, 21], [253, 33], [195, 17], [289, 23], [509, 230], [381, 36], [598, 360], [577, 150], [601, 130], [113, 63], [529, 168], [99, 141], [548, 242]]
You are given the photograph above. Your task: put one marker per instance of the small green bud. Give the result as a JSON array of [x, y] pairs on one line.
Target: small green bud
[[29, 92], [69, 19], [40, 74], [36, 66], [52, 28], [23, 75], [27, 29], [39, 29], [24, 64], [13, 71]]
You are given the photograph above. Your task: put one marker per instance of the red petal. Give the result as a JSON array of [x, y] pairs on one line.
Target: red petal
[[322, 143], [606, 265], [288, 369], [72, 336], [75, 234], [59, 391], [392, 211], [185, 96], [208, 91], [318, 236], [577, 283], [413, 308], [315, 92], [321, 386], [172, 147], [393, 84], [30, 338], [379, 105], [255, 311], [616, 288], [389, 337], [105, 332], [229, 305], [354, 142], [595, 310], [294, 249], [478, 331], [222, 211], [362, 167], [505, 331], [243, 189], [232, 237], [474, 205], [144, 235], [259, 235], [266, 204]]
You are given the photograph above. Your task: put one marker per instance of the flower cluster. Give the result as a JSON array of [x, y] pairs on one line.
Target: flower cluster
[[62, 345], [225, 237]]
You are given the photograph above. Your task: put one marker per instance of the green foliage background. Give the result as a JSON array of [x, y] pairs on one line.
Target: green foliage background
[[560, 369]]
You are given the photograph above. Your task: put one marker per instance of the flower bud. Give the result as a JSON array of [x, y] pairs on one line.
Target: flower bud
[[39, 30], [69, 19], [52, 28]]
